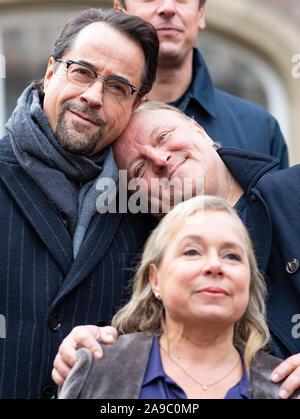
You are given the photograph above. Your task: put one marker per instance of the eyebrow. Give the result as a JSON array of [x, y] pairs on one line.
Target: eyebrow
[[93, 68], [153, 134], [197, 238]]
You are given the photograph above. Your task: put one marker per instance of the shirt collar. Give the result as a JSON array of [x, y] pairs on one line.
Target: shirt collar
[[244, 384], [201, 88], [155, 369]]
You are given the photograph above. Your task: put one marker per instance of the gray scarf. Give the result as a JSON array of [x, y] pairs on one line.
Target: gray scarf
[[59, 173]]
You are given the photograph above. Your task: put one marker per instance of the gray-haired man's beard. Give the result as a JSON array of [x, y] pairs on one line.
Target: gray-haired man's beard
[[75, 140]]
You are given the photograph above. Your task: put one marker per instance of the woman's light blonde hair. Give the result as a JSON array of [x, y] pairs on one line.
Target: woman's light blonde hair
[[145, 312]]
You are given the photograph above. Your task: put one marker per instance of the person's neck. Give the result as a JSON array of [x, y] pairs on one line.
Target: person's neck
[[234, 191], [225, 185], [209, 345], [172, 80]]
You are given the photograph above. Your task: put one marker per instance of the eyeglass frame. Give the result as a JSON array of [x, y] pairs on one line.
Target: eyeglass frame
[[104, 79]]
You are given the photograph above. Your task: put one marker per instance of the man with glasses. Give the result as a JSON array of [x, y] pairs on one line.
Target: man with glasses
[[61, 264], [183, 80]]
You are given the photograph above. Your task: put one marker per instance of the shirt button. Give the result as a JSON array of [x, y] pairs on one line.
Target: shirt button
[[48, 392], [292, 266], [54, 322]]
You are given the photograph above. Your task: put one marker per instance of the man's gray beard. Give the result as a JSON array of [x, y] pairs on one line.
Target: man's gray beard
[[78, 144]]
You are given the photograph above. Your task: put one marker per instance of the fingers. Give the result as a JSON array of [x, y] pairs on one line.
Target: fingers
[[288, 370], [107, 334], [86, 336], [60, 370]]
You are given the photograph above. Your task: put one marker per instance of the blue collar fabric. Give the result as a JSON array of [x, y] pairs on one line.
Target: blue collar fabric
[[158, 385], [201, 88]]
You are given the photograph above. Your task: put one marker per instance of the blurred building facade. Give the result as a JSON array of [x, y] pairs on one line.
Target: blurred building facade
[[252, 48]]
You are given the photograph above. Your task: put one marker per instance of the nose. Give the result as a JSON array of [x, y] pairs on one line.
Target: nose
[[93, 95], [166, 8], [213, 265], [160, 160]]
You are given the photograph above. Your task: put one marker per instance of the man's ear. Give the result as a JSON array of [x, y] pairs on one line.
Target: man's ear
[[199, 127], [201, 18], [118, 6], [142, 100], [49, 72]]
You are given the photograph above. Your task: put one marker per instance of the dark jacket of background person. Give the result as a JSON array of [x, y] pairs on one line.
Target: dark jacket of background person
[[44, 292], [272, 219], [229, 120], [119, 375]]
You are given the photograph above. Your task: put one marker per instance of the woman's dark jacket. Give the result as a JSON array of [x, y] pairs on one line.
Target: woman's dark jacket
[[119, 374]]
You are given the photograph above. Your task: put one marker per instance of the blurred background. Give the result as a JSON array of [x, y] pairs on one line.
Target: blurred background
[[249, 46]]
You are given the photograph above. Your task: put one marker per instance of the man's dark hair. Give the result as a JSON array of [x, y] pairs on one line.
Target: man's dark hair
[[123, 3], [143, 33]]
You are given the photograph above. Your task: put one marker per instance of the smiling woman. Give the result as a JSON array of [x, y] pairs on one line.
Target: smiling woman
[[194, 327]]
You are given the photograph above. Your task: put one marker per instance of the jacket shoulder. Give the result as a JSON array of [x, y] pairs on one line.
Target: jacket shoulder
[[123, 362], [242, 106], [260, 372]]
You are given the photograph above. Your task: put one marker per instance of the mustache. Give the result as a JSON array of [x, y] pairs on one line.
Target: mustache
[[85, 110]]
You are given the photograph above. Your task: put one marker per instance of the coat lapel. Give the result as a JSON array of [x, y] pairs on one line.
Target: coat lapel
[[259, 225], [99, 236], [39, 214], [247, 169]]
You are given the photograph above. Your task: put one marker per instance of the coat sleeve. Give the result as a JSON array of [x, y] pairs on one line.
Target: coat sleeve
[[75, 381]]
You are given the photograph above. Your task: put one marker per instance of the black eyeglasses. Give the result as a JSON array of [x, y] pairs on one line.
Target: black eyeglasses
[[84, 76]]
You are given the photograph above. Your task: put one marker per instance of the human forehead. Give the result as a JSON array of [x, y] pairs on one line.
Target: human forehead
[[143, 131], [99, 43], [149, 123], [210, 227]]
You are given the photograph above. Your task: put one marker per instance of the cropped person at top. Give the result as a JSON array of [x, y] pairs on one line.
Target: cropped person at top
[[194, 326], [183, 80]]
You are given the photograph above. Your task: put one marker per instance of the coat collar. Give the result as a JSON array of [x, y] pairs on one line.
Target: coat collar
[[247, 167], [201, 88], [49, 227], [260, 371], [99, 236], [37, 211], [127, 359]]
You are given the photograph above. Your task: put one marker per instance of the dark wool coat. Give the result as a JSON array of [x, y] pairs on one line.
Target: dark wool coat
[[44, 293], [272, 219]]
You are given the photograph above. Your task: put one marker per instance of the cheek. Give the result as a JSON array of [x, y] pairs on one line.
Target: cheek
[[117, 115], [142, 12], [242, 292], [179, 282], [55, 95]]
